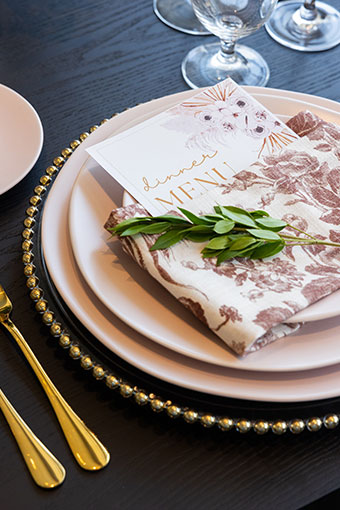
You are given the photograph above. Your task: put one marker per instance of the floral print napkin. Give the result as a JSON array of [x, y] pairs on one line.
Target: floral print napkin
[[248, 303]]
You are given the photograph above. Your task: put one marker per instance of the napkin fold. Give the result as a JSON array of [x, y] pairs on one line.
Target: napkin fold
[[247, 303]]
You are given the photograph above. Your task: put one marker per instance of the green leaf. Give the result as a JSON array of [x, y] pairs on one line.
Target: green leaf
[[197, 237], [258, 214], [218, 243], [238, 215], [155, 228], [248, 251], [172, 219], [233, 208], [226, 255], [232, 237], [267, 250], [224, 226], [271, 223], [231, 254], [213, 218], [199, 233], [129, 222], [134, 229], [241, 243], [209, 253], [196, 220], [268, 235], [202, 229], [168, 239]]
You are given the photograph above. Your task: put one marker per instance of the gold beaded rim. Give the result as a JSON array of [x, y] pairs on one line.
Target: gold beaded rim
[[113, 381]]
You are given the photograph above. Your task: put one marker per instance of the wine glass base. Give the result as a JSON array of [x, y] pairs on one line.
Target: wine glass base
[[324, 36], [202, 67], [179, 14]]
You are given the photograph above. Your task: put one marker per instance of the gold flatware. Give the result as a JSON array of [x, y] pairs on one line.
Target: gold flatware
[[89, 452], [46, 470]]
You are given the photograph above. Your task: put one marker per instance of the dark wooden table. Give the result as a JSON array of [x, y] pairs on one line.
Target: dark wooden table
[[78, 62]]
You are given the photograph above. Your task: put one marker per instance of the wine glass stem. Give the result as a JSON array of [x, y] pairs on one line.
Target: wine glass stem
[[308, 10], [227, 51]]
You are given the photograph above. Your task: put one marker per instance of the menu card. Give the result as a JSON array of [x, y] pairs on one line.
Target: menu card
[[180, 154]]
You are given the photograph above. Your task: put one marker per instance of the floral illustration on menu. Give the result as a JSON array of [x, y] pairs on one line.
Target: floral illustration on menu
[[218, 115]]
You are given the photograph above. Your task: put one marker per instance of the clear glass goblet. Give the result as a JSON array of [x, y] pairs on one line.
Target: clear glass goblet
[[305, 26], [229, 20], [179, 14]]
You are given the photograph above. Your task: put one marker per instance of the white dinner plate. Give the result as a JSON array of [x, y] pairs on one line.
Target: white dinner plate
[[21, 138], [133, 347], [141, 302]]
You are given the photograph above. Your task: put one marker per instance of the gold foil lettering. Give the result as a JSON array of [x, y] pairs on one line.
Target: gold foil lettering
[[186, 192], [201, 181], [194, 164], [219, 174], [174, 196]]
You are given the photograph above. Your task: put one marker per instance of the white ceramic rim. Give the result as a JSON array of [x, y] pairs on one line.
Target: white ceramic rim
[[7, 181]]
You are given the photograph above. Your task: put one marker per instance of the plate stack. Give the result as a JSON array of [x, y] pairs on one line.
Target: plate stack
[[136, 318]]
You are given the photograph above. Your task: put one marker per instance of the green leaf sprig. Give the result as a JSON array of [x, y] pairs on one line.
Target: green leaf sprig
[[231, 232]]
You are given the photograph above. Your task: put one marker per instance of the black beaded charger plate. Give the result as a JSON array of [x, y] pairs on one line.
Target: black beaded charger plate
[[145, 390]]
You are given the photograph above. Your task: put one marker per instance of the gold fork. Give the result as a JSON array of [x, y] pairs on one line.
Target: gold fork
[[46, 470], [89, 452]]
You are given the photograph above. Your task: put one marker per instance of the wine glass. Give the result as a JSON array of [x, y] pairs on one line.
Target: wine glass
[[229, 20], [307, 26], [179, 14]]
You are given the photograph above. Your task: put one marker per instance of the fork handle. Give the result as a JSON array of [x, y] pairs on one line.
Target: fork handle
[[45, 469], [88, 451]]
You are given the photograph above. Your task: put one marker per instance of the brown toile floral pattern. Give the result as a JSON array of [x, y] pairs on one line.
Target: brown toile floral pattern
[[300, 175], [245, 302]]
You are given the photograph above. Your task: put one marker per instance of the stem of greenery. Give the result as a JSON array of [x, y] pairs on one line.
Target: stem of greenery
[[231, 232]]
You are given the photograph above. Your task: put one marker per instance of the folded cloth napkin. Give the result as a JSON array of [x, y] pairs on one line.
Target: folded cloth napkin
[[245, 302]]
